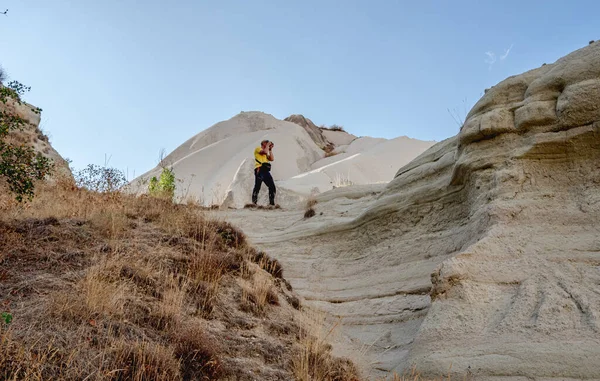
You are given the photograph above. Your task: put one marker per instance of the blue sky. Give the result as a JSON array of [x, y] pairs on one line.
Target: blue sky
[[126, 78]]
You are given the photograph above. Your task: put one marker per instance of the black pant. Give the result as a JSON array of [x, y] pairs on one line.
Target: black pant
[[262, 175]]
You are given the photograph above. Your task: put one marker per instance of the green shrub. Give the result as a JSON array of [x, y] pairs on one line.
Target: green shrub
[[163, 187], [153, 186], [20, 165], [6, 317]]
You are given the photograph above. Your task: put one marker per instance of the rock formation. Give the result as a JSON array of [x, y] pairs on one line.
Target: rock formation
[[482, 257], [215, 167], [315, 132]]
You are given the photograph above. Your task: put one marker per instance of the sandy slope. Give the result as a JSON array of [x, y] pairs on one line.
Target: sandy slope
[[216, 165], [481, 258]]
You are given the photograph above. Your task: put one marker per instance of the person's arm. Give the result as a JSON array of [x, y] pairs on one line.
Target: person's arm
[[270, 156]]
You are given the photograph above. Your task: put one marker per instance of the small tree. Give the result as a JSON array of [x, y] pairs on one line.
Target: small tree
[[20, 165], [163, 187]]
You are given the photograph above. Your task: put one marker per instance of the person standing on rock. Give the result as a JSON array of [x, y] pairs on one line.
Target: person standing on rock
[[263, 156]]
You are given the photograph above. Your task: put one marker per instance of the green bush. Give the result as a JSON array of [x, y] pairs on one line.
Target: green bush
[[20, 165], [163, 187], [6, 317], [153, 187]]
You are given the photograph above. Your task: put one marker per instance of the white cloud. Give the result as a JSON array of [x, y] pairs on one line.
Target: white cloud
[[506, 52], [491, 57]]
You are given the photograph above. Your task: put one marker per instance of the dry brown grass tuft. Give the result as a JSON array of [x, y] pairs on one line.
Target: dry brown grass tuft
[[141, 361], [18, 362], [199, 353], [259, 294], [270, 265], [313, 359]]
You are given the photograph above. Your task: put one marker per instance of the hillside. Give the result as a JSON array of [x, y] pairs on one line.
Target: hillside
[[480, 258], [215, 167], [113, 287]]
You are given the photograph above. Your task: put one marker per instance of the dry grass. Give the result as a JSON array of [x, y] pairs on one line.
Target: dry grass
[[270, 265], [342, 180], [114, 287], [258, 294], [100, 285], [331, 153], [313, 359]]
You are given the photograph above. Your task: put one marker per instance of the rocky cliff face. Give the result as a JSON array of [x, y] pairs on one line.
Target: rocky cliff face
[[32, 135], [482, 257], [520, 293], [314, 131]]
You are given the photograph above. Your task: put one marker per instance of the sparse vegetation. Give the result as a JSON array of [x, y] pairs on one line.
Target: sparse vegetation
[[342, 180], [258, 294], [102, 179], [459, 115], [314, 361], [270, 265], [111, 286], [333, 127]]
